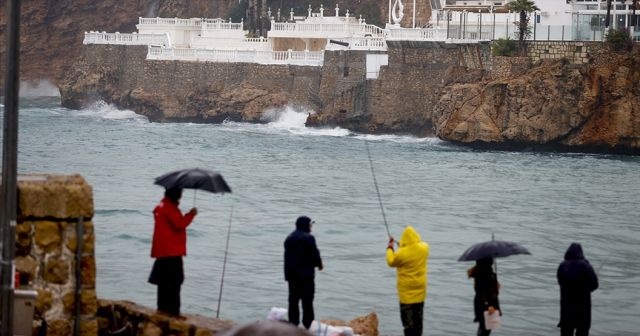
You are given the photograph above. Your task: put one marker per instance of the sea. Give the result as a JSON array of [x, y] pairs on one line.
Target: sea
[[453, 196]]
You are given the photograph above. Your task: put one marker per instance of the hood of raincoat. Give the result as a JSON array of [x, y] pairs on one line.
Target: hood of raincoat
[[410, 260], [574, 252]]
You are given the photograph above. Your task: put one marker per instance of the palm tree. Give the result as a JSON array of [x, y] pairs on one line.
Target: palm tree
[[524, 7], [633, 15], [607, 19]]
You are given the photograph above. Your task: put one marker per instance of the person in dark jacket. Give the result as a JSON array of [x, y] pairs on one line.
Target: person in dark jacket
[[168, 247], [577, 280], [487, 288], [301, 257]]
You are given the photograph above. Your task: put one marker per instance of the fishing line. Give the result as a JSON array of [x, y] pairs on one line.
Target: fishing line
[[375, 182], [224, 263]]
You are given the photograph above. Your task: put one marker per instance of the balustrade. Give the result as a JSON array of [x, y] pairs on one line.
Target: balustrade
[[251, 56], [126, 39]]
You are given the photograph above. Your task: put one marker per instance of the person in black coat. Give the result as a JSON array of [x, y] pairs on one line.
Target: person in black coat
[[487, 288], [301, 257], [577, 280]]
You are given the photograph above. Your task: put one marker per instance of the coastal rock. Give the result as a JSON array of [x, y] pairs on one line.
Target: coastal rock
[[133, 319], [554, 104]]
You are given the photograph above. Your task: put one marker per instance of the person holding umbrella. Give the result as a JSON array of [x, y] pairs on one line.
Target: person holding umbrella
[[577, 280], [411, 263], [168, 247], [486, 287]]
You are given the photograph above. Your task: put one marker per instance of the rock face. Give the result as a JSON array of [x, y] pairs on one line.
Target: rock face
[[593, 107]]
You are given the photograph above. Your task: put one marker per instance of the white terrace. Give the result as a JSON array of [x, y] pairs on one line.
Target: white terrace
[[303, 40]]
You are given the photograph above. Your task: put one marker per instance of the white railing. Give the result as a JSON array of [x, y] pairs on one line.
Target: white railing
[[126, 39], [259, 43], [313, 58], [359, 43], [194, 22], [324, 30], [420, 34], [221, 26]]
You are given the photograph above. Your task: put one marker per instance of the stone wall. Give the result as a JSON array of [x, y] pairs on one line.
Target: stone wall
[[182, 90], [49, 209], [507, 67], [400, 100], [577, 52]]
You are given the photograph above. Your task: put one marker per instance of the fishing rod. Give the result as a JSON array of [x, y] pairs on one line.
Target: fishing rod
[[224, 263], [375, 182]]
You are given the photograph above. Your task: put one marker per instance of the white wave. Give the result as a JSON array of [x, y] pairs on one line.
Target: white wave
[[400, 139], [42, 88], [293, 120], [107, 111]]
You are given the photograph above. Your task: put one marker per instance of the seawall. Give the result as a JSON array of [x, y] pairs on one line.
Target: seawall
[[427, 89]]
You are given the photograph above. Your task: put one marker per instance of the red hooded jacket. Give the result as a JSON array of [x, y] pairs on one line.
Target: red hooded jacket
[[170, 230]]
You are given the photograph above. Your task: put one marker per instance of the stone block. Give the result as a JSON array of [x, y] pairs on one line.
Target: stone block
[[48, 236], [43, 302], [27, 266], [89, 327], [88, 272], [88, 302], [88, 238], [56, 270], [59, 327], [54, 196], [23, 238], [151, 329]]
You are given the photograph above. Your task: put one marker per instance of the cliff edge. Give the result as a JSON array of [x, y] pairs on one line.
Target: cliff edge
[[553, 105]]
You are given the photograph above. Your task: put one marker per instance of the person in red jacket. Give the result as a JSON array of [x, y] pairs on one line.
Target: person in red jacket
[[168, 246]]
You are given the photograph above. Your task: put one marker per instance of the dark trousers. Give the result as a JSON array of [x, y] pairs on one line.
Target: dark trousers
[[169, 299], [579, 331], [168, 275], [301, 290], [411, 316]]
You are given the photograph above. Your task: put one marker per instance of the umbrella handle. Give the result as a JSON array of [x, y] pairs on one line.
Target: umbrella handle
[[194, 197]]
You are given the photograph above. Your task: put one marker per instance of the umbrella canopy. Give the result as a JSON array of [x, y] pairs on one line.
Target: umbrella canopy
[[492, 249], [194, 178]]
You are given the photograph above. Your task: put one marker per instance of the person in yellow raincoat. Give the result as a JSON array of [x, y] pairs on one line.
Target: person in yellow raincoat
[[411, 263]]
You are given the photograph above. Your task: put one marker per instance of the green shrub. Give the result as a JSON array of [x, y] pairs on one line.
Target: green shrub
[[619, 39], [503, 47]]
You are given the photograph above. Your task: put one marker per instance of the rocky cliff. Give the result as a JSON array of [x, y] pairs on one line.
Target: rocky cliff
[[553, 105]]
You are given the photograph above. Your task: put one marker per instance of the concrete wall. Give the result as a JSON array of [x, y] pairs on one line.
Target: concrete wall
[[46, 244]]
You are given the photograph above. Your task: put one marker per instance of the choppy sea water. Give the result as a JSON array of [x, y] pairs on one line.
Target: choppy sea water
[[279, 170]]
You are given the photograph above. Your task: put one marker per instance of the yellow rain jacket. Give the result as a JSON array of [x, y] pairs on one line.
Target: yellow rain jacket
[[411, 262]]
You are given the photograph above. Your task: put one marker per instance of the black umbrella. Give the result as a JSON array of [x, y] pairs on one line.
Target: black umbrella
[[194, 178], [492, 249]]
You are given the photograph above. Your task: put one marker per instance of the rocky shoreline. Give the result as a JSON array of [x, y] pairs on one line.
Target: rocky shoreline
[[426, 90]]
